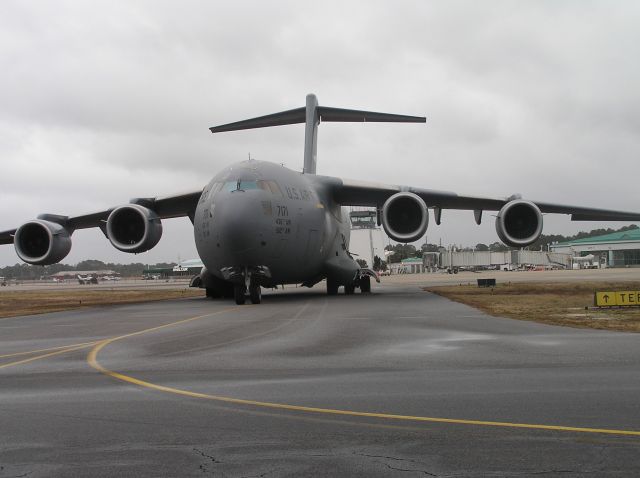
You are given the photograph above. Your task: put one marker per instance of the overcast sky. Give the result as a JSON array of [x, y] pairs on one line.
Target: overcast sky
[[104, 101]]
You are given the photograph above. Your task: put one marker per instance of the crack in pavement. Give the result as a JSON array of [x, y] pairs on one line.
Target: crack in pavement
[[203, 466], [403, 460], [262, 475]]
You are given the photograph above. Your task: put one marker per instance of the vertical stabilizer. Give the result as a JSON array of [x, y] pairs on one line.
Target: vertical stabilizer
[[312, 119]]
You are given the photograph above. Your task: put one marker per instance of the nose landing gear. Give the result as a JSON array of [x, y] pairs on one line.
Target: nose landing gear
[[240, 294], [246, 282], [255, 294]]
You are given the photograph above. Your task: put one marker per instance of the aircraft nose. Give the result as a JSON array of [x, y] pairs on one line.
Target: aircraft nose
[[239, 223]]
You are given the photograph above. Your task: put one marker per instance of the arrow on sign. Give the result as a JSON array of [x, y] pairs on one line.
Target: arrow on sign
[[606, 298]]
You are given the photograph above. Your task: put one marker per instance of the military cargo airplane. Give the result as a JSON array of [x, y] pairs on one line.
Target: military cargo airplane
[[258, 224]]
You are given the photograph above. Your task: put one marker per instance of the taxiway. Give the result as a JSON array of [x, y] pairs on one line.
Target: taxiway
[[400, 381]]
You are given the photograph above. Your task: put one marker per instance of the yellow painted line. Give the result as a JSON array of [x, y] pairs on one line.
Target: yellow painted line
[[172, 324], [92, 360], [17, 354], [73, 347], [51, 354]]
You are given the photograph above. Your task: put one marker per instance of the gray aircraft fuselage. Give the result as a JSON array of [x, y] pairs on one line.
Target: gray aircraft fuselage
[[277, 224]]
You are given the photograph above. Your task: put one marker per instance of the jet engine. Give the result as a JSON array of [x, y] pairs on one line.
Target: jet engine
[[133, 228], [405, 217], [519, 223], [42, 242]]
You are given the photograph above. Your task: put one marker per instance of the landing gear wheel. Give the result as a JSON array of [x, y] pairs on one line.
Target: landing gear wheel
[[349, 289], [365, 284], [239, 294], [332, 287], [255, 294], [228, 291]]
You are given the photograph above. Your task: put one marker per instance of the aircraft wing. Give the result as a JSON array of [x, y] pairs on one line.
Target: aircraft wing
[[359, 193], [178, 205], [6, 237]]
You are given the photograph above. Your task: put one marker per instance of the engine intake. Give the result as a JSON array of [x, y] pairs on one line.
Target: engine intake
[[405, 217], [519, 223], [133, 228], [42, 242]]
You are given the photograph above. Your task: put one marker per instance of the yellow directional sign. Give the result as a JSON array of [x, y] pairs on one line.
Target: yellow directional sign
[[617, 298]]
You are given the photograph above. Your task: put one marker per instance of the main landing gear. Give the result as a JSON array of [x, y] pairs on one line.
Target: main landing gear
[[364, 283], [332, 287]]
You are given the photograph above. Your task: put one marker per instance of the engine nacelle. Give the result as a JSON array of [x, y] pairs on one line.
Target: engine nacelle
[[41, 242], [133, 228], [519, 223], [405, 217]]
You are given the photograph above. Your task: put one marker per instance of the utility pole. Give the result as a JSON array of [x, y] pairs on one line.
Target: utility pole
[[371, 246]]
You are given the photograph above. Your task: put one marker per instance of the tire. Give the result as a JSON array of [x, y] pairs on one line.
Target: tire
[[255, 294], [365, 284], [213, 293], [228, 291], [332, 287], [239, 294]]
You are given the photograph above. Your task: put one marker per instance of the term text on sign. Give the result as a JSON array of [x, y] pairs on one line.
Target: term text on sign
[[617, 298]]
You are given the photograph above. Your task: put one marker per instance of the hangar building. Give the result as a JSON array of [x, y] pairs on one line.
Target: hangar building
[[619, 249], [67, 275], [184, 269]]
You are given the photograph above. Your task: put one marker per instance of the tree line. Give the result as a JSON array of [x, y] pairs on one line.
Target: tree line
[[29, 272]]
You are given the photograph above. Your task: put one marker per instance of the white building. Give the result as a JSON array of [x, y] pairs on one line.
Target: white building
[[619, 249]]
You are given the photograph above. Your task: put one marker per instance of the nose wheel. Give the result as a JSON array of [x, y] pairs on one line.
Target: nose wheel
[[239, 294], [255, 294]]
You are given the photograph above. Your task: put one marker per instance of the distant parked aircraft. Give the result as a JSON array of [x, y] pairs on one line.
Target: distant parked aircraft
[[85, 280]]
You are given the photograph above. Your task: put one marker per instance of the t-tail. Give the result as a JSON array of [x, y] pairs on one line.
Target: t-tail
[[312, 115]]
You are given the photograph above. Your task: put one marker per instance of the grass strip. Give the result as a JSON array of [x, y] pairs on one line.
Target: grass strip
[[566, 304], [15, 303]]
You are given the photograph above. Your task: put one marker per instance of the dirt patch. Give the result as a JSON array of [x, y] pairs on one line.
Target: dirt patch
[[13, 303], [568, 304]]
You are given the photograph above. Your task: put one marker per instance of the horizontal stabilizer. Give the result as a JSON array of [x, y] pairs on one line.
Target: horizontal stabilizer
[[276, 119], [325, 114], [312, 115], [339, 114]]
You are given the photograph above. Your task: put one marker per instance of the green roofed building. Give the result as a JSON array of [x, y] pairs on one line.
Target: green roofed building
[[619, 249], [412, 265]]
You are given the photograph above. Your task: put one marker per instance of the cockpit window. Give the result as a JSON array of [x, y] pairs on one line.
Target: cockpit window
[[272, 186], [241, 185], [246, 185]]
